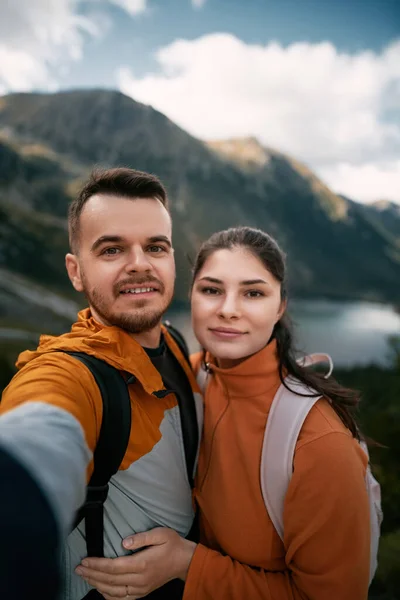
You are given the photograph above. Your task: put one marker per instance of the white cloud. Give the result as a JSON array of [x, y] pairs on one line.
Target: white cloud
[[22, 71], [133, 7], [198, 3], [367, 182], [38, 35], [333, 110]]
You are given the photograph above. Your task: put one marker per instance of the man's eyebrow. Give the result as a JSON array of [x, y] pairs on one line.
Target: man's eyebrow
[[159, 238], [114, 239], [246, 282], [118, 239]]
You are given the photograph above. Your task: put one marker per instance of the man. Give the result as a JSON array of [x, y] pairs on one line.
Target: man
[[122, 260]]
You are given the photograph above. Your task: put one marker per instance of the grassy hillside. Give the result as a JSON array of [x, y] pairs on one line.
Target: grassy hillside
[[335, 249]]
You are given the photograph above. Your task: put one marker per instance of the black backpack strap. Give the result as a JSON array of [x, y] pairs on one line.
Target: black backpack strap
[[179, 340], [110, 449], [187, 410]]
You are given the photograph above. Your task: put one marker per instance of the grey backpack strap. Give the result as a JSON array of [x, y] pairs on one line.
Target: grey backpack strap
[[202, 377], [375, 514], [202, 381], [316, 359], [288, 412]]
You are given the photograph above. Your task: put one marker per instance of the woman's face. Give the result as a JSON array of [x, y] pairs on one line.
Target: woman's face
[[235, 305]]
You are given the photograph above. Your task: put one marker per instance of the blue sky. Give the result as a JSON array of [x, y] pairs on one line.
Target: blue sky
[[317, 79], [351, 26]]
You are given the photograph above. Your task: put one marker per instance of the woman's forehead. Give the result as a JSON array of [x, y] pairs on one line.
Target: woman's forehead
[[236, 264]]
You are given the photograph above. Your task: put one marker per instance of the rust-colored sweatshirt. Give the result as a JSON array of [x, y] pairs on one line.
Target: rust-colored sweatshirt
[[325, 553]]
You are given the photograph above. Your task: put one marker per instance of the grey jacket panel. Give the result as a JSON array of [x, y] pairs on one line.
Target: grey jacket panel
[[50, 443], [153, 492]]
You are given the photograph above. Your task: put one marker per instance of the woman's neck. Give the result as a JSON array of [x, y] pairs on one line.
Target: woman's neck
[[229, 363]]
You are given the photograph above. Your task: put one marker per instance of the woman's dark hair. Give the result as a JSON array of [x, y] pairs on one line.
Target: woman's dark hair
[[266, 249]]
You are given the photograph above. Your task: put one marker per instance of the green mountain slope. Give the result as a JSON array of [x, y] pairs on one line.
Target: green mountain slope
[[49, 142]]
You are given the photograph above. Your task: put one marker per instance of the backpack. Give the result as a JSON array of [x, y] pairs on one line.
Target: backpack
[[288, 412], [113, 440]]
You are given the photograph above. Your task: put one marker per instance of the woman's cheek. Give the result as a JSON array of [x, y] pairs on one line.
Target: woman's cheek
[[199, 325]]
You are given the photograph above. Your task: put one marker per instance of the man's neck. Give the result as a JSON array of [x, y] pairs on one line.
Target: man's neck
[[148, 339]]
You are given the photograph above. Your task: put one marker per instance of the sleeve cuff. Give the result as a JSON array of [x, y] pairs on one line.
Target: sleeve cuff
[[194, 575]]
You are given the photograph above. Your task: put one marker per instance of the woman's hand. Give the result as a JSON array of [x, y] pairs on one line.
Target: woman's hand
[[165, 556]]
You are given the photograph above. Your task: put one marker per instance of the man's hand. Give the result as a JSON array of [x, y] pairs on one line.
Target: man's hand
[[166, 555]]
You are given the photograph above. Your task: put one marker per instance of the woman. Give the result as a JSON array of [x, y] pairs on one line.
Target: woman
[[238, 303]]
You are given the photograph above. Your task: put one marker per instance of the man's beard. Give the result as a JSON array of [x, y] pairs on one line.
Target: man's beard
[[138, 320]]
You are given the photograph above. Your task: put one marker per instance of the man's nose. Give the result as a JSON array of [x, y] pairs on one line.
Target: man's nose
[[138, 260]]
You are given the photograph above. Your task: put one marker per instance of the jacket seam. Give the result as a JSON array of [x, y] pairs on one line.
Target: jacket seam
[[301, 445], [214, 433], [202, 567]]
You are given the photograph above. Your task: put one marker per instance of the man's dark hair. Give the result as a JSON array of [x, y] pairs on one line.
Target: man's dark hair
[[120, 181]]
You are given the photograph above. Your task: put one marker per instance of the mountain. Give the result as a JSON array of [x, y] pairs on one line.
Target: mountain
[[331, 240], [49, 142], [388, 214]]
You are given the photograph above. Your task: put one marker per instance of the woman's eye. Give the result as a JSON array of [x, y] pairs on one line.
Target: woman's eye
[[254, 294], [210, 291]]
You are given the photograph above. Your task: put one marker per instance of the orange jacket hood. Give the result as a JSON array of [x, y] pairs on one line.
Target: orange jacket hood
[[111, 344]]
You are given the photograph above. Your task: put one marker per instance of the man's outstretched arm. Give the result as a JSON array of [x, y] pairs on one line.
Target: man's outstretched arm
[[29, 536], [48, 423]]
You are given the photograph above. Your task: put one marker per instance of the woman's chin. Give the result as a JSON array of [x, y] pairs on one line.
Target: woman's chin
[[225, 349], [229, 356]]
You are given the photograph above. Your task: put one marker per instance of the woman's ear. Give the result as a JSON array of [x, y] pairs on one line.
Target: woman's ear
[[282, 309], [74, 271]]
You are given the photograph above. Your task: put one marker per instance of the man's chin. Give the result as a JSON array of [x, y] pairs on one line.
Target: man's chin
[[138, 321], [136, 324]]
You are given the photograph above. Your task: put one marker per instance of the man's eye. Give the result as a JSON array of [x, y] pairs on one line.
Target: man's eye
[[111, 251], [156, 249]]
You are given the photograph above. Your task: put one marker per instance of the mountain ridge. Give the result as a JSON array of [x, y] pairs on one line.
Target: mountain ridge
[[49, 142]]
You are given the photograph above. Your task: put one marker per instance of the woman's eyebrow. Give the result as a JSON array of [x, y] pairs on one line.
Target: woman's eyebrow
[[253, 282], [246, 282], [212, 280]]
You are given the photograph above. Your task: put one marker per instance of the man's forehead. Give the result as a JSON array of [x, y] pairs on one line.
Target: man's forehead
[[113, 203], [125, 214]]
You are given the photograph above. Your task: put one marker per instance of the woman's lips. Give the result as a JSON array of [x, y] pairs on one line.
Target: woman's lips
[[226, 332]]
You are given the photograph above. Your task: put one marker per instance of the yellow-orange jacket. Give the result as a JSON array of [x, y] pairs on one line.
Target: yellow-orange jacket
[[50, 417]]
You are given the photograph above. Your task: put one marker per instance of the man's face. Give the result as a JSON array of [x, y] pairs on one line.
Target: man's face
[[125, 264]]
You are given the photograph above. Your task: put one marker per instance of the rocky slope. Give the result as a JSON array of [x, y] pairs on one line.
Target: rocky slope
[[49, 143]]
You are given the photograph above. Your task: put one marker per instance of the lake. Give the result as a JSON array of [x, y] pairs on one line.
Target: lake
[[353, 333]]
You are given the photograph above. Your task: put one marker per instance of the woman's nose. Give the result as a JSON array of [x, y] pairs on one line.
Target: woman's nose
[[229, 308]]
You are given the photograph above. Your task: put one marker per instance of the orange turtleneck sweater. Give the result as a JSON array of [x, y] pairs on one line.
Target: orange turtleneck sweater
[[325, 553]]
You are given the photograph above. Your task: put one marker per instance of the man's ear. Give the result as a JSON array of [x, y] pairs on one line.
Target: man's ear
[[74, 271]]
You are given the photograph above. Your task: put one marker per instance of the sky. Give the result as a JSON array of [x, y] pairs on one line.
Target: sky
[[319, 80]]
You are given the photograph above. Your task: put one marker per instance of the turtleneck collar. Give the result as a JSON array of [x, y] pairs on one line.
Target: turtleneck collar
[[255, 375]]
